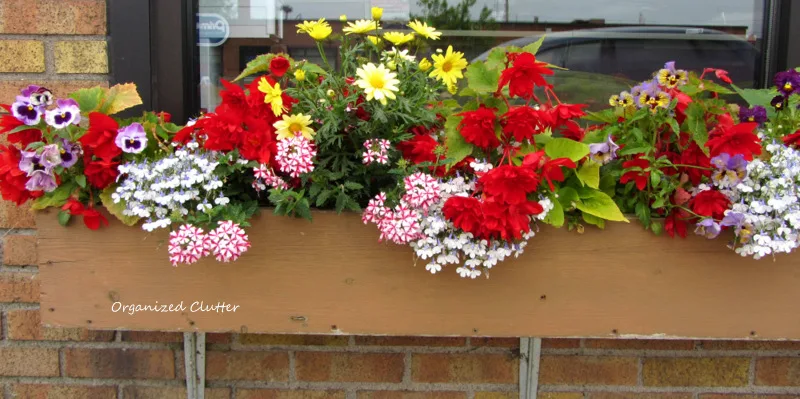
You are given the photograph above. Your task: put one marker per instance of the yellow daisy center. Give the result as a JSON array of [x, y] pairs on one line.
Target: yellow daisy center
[[447, 66], [377, 81], [295, 127]]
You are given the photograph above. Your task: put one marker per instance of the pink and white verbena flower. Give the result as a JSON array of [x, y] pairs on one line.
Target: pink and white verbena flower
[[228, 241], [422, 190], [295, 155], [266, 177], [187, 245], [375, 210], [376, 151]]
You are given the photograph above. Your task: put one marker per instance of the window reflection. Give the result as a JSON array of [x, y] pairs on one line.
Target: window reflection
[[607, 45]]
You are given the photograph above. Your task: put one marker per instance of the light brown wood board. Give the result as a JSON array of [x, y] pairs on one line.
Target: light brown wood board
[[333, 277]]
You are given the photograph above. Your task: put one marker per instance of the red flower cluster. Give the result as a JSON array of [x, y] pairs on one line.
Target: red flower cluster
[[92, 218], [477, 127], [523, 74], [100, 150], [639, 176], [23, 137], [12, 178], [421, 149], [242, 121], [734, 139]]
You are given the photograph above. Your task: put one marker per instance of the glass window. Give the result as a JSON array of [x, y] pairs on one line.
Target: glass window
[[607, 45]]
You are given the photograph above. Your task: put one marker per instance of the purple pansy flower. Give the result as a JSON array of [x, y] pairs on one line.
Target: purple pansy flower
[[39, 168], [708, 228], [779, 102], [69, 153], [132, 138], [67, 113], [26, 112], [38, 96], [604, 152], [732, 218], [788, 82], [730, 169], [756, 114], [41, 181]]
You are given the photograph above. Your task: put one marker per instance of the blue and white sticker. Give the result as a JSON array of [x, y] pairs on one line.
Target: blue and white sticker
[[212, 30]]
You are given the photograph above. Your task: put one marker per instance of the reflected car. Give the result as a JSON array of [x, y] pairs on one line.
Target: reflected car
[[604, 61]]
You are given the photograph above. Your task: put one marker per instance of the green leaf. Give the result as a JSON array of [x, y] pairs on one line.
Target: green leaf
[[63, 218], [589, 174], [555, 217], [116, 208], [696, 123], [303, 209], [55, 198], [567, 195], [482, 79], [81, 180], [657, 227], [457, 147], [634, 150], [593, 220], [673, 124], [534, 47], [762, 97], [607, 184], [89, 100], [119, 98], [323, 197], [341, 201], [642, 212], [497, 58], [258, 64], [310, 68], [604, 116], [566, 148], [353, 185], [601, 205]]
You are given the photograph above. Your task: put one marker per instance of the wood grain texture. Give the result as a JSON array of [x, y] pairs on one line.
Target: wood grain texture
[[333, 277]]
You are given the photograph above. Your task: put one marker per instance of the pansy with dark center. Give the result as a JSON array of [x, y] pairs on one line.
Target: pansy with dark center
[[69, 153], [788, 82], [756, 114], [670, 77], [26, 112], [39, 168], [708, 228], [604, 152], [779, 102], [730, 170], [67, 113], [131, 139], [38, 96]]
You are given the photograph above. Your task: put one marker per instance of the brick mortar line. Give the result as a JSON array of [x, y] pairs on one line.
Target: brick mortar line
[[292, 367], [120, 392], [18, 306], [370, 386], [20, 269], [91, 382], [757, 390], [62, 363], [49, 57], [371, 349], [61, 77], [49, 344], [350, 394], [4, 321], [751, 372], [672, 353], [15, 231], [407, 358], [52, 37]]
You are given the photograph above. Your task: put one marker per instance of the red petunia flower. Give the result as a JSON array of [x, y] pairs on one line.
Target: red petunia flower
[[736, 139], [792, 139], [92, 218], [165, 116], [710, 203], [23, 137], [12, 179], [637, 176], [694, 156], [565, 112], [418, 149], [278, 66], [465, 213], [233, 96], [259, 142], [100, 173], [508, 221], [477, 127], [523, 75], [522, 123], [99, 138], [73, 207], [677, 222], [509, 184]]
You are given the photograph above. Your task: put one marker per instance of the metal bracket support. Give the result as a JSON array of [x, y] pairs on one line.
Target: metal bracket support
[[530, 350], [194, 351]]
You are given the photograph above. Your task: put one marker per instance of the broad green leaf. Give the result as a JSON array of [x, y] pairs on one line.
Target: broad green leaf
[[482, 79], [63, 217], [55, 198], [89, 100], [567, 196], [323, 197], [589, 174], [81, 180], [555, 217], [457, 147], [593, 220], [566, 148], [534, 47], [604, 116], [607, 184], [258, 64], [116, 208], [601, 205], [761, 97], [696, 123], [467, 92], [634, 150], [351, 185], [119, 98], [310, 68], [497, 58]]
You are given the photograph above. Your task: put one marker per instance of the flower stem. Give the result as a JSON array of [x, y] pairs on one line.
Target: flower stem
[[322, 53]]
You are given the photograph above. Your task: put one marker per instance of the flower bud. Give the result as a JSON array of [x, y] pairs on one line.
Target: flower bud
[[377, 13], [391, 65], [424, 65], [331, 93], [343, 18], [300, 75]]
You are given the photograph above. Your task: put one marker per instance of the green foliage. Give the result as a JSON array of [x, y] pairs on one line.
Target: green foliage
[[696, 124], [589, 174], [457, 147], [55, 198], [257, 65], [482, 80], [89, 100], [566, 148], [599, 204], [116, 208]]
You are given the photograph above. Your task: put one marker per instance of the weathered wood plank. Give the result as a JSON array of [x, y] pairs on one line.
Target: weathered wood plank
[[333, 277]]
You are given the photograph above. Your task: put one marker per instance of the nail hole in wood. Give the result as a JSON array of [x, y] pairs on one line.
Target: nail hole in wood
[[52, 309], [753, 333], [543, 297], [88, 322], [614, 331], [475, 330], [333, 327]]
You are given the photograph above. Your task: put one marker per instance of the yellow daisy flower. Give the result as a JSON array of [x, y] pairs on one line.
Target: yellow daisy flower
[[294, 125], [398, 38], [448, 67], [272, 95], [424, 30], [424, 65], [306, 26], [320, 32], [377, 82], [360, 26], [374, 40]]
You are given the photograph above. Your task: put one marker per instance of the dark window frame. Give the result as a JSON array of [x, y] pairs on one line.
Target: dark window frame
[[152, 44]]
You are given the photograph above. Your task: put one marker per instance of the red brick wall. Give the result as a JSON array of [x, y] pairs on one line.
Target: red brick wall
[[61, 44]]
